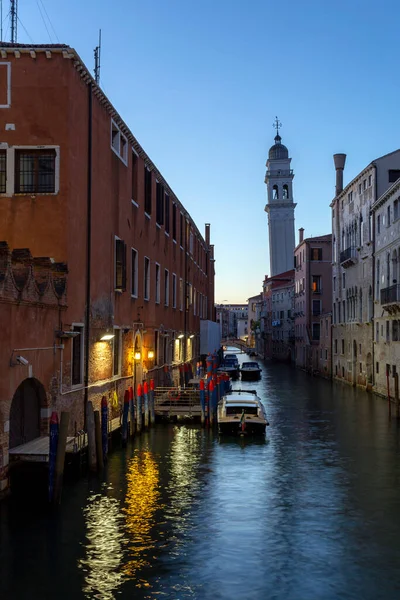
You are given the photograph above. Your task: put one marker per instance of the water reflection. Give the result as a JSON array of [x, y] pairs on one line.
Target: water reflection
[[141, 502], [103, 547]]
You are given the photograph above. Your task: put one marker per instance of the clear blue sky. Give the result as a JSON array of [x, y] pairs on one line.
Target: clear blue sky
[[200, 83]]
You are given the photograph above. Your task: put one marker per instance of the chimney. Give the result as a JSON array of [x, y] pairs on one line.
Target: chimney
[[207, 236], [339, 160], [301, 234]]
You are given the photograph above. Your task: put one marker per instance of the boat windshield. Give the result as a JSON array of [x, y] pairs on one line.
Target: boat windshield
[[237, 410], [230, 363], [250, 365]]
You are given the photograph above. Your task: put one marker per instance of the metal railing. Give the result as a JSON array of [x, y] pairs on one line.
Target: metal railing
[[348, 254], [177, 401], [391, 294]]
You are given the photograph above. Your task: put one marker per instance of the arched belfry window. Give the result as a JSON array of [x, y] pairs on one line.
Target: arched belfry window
[[275, 193], [285, 192]]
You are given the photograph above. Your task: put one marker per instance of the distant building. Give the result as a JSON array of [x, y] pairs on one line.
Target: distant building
[[232, 319], [325, 343], [353, 279], [280, 207], [254, 322], [386, 348], [278, 316], [313, 296]]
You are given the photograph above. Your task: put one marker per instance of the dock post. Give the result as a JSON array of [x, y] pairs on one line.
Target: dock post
[[131, 412], [139, 409], [396, 394], [104, 427], [211, 402], [125, 419], [202, 403], [60, 458], [91, 436], [152, 407], [388, 392], [146, 404], [97, 432], [53, 442]]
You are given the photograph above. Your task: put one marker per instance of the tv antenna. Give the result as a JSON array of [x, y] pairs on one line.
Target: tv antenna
[[14, 20], [97, 52]]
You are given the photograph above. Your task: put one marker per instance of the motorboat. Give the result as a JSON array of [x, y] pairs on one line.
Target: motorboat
[[241, 413], [230, 366], [250, 371]]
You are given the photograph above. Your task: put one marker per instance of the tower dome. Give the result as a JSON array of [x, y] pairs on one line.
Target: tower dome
[[278, 150]]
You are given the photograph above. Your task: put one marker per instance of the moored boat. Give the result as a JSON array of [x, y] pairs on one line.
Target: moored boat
[[241, 413], [250, 371], [231, 367]]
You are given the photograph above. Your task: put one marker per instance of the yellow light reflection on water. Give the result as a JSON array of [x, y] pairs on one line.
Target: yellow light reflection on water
[[104, 538], [141, 502]]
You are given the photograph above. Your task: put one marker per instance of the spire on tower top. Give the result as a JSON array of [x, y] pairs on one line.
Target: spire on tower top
[[277, 125]]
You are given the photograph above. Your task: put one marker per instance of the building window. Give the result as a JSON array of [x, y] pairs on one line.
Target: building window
[[388, 216], [120, 265], [77, 356], [35, 171], [285, 192], [315, 331], [364, 184], [387, 331], [180, 294], [394, 174], [316, 284], [359, 188], [369, 180], [134, 180], [3, 171], [147, 191], [344, 279], [173, 290], [335, 346], [119, 143], [342, 346], [117, 352], [316, 307], [166, 213], [395, 331], [174, 221], [377, 332], [181, 230], [159, 203], [378, 223], [316, 253], [166, 287], [146, 294], [157, 283], [350, 197], [134, 273], [395, 210], [334, 284], [377, 367]]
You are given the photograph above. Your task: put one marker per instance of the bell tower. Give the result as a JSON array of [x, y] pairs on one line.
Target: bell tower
[[280, 206]]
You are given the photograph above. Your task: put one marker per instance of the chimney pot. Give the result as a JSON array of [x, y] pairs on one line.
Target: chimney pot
[[301, 234], [339, 160]]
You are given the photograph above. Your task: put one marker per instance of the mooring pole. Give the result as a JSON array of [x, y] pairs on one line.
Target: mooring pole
[[60, 459]]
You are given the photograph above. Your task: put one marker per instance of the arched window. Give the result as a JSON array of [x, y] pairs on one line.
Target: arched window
[[378, 265], [394, 266], [275, 193], [387, 269], [285, 192], [361, 231]]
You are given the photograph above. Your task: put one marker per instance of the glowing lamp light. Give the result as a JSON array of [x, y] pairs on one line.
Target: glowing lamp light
[[191, 336], [181, 336], [107, 337], [137, 355], [150, 354]]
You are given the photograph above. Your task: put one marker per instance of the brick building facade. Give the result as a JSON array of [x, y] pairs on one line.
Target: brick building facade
[[77, 187]]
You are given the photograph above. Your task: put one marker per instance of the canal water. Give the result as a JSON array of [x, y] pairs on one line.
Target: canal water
[[309, 512]]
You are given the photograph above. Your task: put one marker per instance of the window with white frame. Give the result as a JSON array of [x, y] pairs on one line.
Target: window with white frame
[[181, 294], [166, 287], [134, 272], [35, 171], [120, 265], [77, 355], [173, 290], [157, 283], [119, 142], [117, 352], [146, 294]]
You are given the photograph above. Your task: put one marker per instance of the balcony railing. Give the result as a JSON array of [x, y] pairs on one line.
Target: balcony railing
[[348, 257], [279, 173], [391, 295]]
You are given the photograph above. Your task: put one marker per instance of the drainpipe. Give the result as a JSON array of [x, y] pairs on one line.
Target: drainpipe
[[88, 246]]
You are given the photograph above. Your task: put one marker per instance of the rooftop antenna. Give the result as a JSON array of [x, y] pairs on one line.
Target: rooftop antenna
[[97, 52], [14, 20]]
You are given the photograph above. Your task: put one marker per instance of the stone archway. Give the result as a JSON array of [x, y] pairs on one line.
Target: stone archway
[[27, 401]]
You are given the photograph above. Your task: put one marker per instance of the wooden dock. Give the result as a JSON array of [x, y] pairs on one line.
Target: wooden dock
[[177, 402], [37, 450]]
